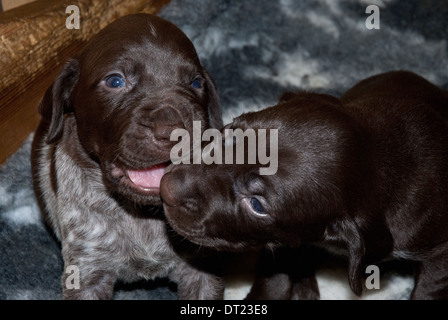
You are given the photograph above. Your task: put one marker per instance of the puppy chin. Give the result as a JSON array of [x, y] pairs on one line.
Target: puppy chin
[[196, 233], [139, 196]]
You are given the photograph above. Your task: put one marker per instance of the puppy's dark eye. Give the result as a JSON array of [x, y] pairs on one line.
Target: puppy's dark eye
[[115, 81], [254, 206], [197, 83], [257, 206]]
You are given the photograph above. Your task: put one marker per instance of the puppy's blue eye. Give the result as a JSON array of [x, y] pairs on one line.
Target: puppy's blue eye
[[197, 83], [115, 82], [257, 206]]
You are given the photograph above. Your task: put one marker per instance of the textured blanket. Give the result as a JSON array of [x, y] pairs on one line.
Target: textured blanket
[[255, 50]]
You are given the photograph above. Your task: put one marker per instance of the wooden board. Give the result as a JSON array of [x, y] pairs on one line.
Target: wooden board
[[34, 45], [11, 4]]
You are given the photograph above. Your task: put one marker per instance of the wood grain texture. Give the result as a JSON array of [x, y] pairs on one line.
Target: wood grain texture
[[11, 4]]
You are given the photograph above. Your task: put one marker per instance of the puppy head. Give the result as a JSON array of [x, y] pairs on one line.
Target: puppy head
[[232, 206], [135, 82]]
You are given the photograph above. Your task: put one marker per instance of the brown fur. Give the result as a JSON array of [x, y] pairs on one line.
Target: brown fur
[[367, 173], [92, 135]]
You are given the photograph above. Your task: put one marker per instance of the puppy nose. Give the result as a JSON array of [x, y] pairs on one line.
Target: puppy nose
[[167, 191], [177, 189], [162, 133], [165, 120]]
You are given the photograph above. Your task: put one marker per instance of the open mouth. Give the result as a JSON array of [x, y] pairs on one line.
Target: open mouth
[[144, 180]]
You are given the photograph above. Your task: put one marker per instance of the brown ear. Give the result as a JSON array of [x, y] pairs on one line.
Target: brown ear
[[57, 99], [356, 250], [213, 108], [348, 232]]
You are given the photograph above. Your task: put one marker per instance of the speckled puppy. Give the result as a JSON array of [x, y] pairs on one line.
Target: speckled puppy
[[101, 150]]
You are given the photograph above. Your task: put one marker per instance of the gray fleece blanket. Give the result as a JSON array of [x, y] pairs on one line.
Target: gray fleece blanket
[[255, 50]]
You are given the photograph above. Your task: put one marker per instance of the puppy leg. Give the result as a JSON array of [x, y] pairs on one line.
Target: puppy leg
[[286, 274], [274, 287], [87, 276], [196, 284], [305, 288], [432, 279], [96, 285], [272, 281]]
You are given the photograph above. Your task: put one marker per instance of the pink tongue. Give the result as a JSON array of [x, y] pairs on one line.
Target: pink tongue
[[148, 178]]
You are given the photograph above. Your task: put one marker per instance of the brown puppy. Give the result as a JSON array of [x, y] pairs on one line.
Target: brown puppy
[[367, 172], [102, 147]]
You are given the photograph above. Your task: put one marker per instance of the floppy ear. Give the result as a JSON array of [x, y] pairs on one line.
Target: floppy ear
[[356, 250], [57, 99], [348, 232], [213, 108]]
